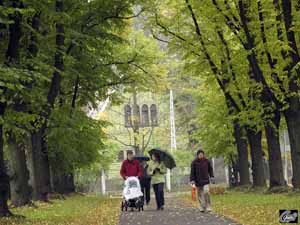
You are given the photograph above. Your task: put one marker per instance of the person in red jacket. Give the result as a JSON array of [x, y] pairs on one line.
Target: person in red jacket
[[130, 167]]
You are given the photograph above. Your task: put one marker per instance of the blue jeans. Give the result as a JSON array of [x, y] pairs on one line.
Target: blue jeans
[[159, 194], [146, 186]]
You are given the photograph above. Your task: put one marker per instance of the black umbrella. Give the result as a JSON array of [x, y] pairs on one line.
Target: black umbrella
[[166, 157], [142, 158]]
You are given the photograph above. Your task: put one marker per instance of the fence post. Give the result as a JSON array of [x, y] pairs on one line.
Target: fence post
[[173, 136], [103, 183], [227, 174], [213, 164], [168, 180]]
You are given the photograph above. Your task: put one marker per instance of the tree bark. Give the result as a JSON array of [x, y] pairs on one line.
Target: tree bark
[[4, 179], [233, 172], [275, 159], [40, 166], [254, 139], [39, 146], [62, 182], [290, 34], [292, 114], [38, 160], [273, 116], [75, 93], [293, 123], [242, 149], [239, 132], [58, 60], [20, 189], [15, 33]]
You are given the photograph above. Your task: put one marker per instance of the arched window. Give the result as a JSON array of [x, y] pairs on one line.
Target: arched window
[[145, 116], [136, 119], [153, 114], [128, 119]]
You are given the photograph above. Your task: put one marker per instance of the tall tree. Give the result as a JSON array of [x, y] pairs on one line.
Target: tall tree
[[292, 113], [20, 189]]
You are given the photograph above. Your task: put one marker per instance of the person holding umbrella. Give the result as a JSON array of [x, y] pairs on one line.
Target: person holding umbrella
[[201, 173], [157, 168]]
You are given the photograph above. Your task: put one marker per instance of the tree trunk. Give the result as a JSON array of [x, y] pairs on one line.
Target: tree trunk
[[272, 125], [242, 149], [58, 59], [69, 183], [20, 189], [136, 126], [15, 33], [40, 166], [28, 144], [292, 114], [41, 169], [275, 160], [233, 172], [254, 139], [62, 182], [53, 91], [4, 179], [293, 123], [12, 55]]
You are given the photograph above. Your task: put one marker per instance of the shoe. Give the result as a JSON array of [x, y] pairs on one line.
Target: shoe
[[157, 208], [208, 209], [201, 209], [162, 208]]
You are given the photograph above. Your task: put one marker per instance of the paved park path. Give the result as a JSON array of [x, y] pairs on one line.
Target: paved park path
[[176, 212]]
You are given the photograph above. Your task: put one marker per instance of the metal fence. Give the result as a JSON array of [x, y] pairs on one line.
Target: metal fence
[[112, 183]]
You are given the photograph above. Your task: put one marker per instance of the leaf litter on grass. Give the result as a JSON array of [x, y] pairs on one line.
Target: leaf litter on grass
[[75, 210]]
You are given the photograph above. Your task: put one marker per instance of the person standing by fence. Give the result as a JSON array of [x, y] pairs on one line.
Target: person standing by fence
[[201, 172]]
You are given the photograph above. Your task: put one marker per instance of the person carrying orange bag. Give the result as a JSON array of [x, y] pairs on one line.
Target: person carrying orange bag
[[201, 174]]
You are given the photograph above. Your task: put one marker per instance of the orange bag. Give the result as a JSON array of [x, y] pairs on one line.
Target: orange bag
[[194, 192]]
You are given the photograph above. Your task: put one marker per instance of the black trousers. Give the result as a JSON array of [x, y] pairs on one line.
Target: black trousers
[[159, 194], [146, 186]]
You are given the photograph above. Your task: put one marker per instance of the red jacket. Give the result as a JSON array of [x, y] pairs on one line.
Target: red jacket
[[131, 168]]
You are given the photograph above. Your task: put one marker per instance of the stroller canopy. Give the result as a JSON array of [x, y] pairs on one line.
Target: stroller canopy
[[132, 188]]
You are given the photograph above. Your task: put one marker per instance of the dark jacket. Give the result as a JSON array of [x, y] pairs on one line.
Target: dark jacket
[[201, 171], [131, 168], [144, 168], [145, 179]]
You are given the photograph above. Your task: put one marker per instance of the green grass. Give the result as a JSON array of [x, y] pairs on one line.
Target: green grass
[[75, 210], [253, 208]]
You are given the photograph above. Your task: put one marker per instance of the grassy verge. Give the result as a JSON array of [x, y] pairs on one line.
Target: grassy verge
[[252, 208], [75, 210]]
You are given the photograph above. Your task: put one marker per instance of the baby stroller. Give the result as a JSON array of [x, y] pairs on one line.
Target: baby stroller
[[132, 195]]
